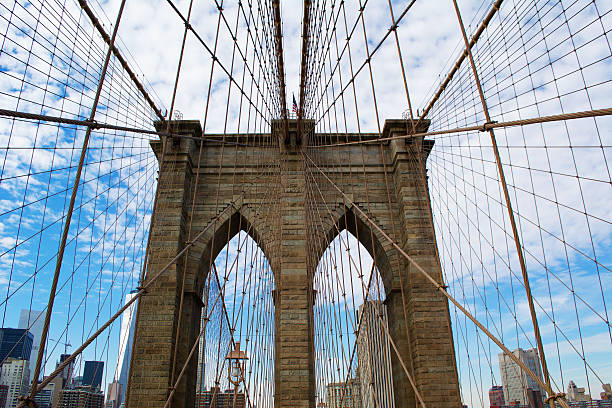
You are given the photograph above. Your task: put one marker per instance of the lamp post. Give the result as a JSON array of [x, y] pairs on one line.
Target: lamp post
[[235, 375]]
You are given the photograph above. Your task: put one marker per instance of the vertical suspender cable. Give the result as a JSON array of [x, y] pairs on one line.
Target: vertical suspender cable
[[60, 256], [519, 249]]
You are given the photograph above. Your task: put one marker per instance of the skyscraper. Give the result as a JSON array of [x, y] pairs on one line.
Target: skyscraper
[[16, 376], [92, 374], [58, 384], [344, 394], [374, 356], [515, 381], [66, 374], [113, 395], [215, 398], [496, 396], [33, 321], [44, 398], [200, 381], [15, 343], [82, 397], [124, 355], [3, 394]]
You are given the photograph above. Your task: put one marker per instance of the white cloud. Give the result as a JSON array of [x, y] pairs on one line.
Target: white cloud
[[551, 189]]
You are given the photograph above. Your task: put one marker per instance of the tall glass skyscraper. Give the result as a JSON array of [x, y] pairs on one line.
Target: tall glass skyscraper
[[124, 355], [33, 321], [67, 372], [92, 374], [16, 343]]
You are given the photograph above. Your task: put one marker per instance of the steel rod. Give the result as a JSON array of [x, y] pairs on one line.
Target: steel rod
[[427, 276], [141, 291], [118, 55], [461, 58], [515, 233], [303, 69], [487, 126], [164, 143], [60, 255], [278, 35], [97, 125], [78, 122]]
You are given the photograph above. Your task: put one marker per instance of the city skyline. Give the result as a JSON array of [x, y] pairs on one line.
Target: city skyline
[[66, 390], [457, 175]]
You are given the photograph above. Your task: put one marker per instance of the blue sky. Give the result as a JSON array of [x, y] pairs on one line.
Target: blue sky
[[552, 186]]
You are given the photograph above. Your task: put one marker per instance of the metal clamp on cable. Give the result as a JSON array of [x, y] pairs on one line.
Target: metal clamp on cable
[[486, 124], [555, 397], [29, 401]]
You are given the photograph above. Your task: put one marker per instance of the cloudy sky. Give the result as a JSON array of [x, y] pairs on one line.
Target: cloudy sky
[[536, 58]]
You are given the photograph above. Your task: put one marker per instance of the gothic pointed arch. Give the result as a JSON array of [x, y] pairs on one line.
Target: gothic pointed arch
[[345, 217], [227, 226]]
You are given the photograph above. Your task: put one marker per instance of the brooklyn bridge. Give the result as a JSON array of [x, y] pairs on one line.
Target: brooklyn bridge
[[327, 203]]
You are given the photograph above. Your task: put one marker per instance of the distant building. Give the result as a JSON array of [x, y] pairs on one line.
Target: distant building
[[201, 373], [344, 394], [575, 394], [516, 383], [33, 321], [92, 374], [591, 404], [15, 374], [496, 397], [44, 397], [77, 381], [82, 397], [534, 398], [374, 356], [126, 338], [606, 395], [577, 397], [113, 395], [217, 399], [15, 343], [3, 394], [67, 372], [58, 385]]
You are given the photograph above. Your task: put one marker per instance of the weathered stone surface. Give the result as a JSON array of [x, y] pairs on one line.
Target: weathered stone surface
[[283, 211]]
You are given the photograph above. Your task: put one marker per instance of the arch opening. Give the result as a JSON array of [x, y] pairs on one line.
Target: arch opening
[[236, 349], [352, 348]]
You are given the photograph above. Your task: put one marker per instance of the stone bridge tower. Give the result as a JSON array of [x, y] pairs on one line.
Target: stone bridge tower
[[279, 225]]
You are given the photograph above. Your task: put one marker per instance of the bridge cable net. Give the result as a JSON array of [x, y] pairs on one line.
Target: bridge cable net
[[82, 137], [515, 131], [517, 182]]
